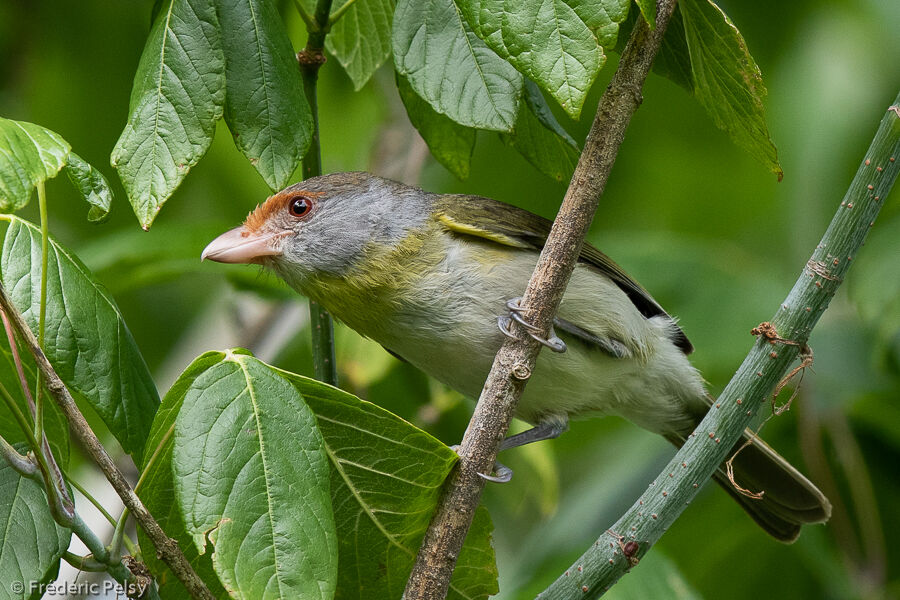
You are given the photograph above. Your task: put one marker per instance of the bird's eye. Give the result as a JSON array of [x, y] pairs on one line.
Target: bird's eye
[[300, 206]]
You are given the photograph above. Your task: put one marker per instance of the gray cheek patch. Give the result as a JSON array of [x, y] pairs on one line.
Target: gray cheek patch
[[373, 211]]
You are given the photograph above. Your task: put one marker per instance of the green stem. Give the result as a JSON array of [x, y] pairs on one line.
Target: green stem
[[42, 314], [74, 483], [311, 25], [336, 15], [311, 60], [132, 547], [22, 465], [84, 563], [100, 554], [654, 512], [154, 456], [20, 418]]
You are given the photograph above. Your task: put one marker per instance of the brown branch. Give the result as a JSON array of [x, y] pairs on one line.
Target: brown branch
[[515, 361], [166, 547]]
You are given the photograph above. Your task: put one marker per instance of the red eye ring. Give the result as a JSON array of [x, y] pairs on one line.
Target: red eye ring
[[300, 206]]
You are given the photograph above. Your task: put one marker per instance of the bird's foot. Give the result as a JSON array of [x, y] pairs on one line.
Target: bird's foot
[[515, 314], [501, 474]]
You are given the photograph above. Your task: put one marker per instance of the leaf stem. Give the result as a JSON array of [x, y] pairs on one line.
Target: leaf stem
[[129, 544], [311, 25], [74, 483], [336, 15], [311, 59], [84, 563], [156, 452], [22, 465], [42, 313], [516, 359]]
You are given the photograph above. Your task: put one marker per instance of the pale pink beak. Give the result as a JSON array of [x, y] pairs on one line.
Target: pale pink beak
[[241, 246]]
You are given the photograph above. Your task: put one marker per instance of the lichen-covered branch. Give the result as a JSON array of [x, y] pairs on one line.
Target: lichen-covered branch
[[515, 361], [778, 346]]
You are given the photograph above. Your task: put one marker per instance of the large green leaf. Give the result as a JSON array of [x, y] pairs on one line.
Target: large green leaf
[[727, 81], [92, 185], [361, 38], [251, 477], [540, 138], [158, 490], [265, 106], [674, 59], [86, 338], [29, 154], [178, 94], [450, 143], [451, 68], [385, 481], [557, 43], [32, 543]]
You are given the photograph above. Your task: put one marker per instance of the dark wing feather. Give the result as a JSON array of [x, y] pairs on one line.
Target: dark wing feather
[[516, 227]]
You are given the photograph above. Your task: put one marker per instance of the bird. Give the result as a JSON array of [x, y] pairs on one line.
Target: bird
[[434, 279]]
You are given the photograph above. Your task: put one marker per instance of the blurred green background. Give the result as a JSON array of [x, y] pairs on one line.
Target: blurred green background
[[709, 232]]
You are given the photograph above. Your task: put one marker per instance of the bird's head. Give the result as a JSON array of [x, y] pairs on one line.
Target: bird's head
[[324, 225]]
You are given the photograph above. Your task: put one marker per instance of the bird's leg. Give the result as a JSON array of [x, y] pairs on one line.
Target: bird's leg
[[545, 430], [515, 314], [502, 473]]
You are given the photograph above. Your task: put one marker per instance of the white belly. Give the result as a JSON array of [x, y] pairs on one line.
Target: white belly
[[656, 388]]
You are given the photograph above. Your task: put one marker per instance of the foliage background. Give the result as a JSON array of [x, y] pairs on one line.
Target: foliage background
[[710, 233]]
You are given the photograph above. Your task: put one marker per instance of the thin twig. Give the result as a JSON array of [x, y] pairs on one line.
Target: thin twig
[[310, 61], [166, 547], [515, 361]]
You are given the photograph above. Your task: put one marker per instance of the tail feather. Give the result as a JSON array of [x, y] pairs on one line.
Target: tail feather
[[788, 500]]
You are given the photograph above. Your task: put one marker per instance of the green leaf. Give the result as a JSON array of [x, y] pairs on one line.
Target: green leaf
[[54, 422], [361, 38], [29, 154], [92, 186], [541, 139], [450, 143], [251, 476], [178, 95], [32, 543], [556, 43], [648, 10], [158, 490], [673, 60], [385, 481], [475, 575], [451, 68], [265, 106], [727, 81], [86, 338]]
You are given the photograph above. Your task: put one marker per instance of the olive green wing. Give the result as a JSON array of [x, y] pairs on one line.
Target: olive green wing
[[512, 226]]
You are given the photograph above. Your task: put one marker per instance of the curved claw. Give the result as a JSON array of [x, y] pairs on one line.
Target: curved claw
[[515, 310], [513, 305], [503, 323], [554, 343], [503, 474]]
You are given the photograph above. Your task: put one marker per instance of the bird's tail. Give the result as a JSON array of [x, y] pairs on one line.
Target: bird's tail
[[788, 499]]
